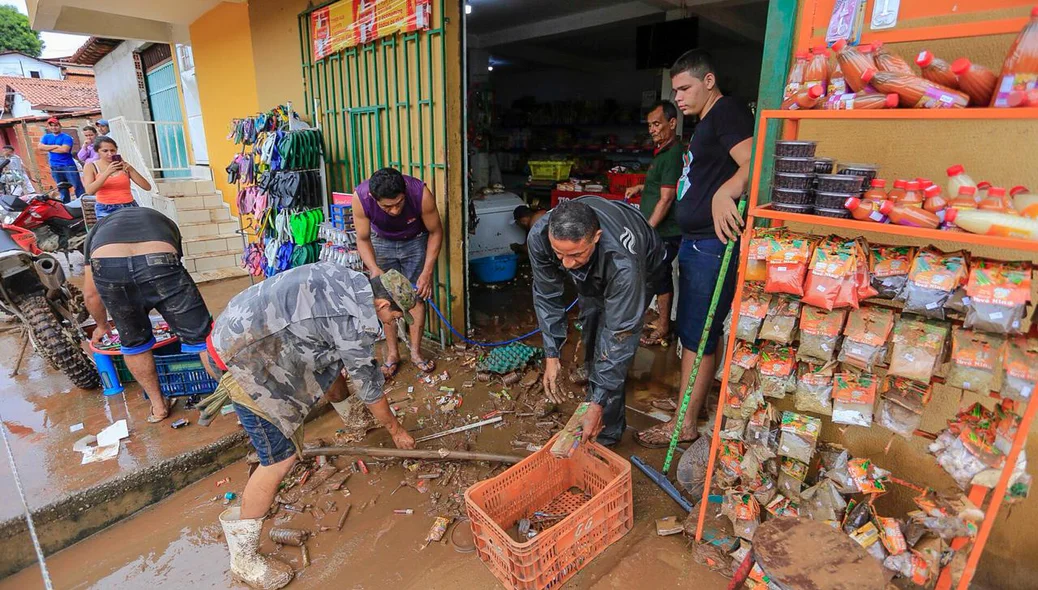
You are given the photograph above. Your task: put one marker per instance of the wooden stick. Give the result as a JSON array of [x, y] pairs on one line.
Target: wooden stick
[[442, 454], [21, 355], [460, 429], [342, 519]]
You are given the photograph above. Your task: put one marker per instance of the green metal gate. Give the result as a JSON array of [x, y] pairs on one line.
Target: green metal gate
[[385, 104], [168, 120]]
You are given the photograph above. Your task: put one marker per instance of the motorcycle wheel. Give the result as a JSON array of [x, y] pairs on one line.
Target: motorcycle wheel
[[59, 345], [77, 305]]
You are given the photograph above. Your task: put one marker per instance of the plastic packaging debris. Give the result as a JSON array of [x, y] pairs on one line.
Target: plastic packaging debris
[[438, 529], [865, 337], [999, 293], [691, 471], [744, 512], [799, 436], [404, 511], [179, 423], [890, 266], [822, 502], [668, 525], [729, 462], [752, 310], [819, 333], [1021, 369], [570, 435], [776, 368], [780, 323], [918, 348], [112, 434], [975, 360], [868, 478], [901, 405], [854, 397], [931, 281], [814, 389], [287, 536]]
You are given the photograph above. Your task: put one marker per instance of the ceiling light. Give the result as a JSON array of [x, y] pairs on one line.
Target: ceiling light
[[468, 8]]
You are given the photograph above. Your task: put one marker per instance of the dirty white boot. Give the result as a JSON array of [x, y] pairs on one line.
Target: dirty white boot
[[247, 565]]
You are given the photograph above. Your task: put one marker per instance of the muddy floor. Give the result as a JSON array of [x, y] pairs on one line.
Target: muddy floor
[[178, 542]]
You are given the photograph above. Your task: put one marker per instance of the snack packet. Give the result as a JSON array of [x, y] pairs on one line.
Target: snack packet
[[865, 337], [868, 478], [832, 262], [787, 265], [819, 333], [889, 267], [744, 358], [780, 323], [854, 397], [822, 502], [761, 245], [931, 281], [729, 461], [976, 360], [744, 397], [758, 429], [815, 389], [918, 348], [863, 288], [1021, 369], [744, 512], [792, 474], [776, 371], [901, 405], [734, 428], [752, 310], [782, 506], [799, 436], [999, 293]]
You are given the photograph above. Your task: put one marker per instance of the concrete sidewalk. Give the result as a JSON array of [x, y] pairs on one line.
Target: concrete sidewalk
[[69, 500]]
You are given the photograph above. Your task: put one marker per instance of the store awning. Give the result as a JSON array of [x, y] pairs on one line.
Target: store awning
[[159, 21]]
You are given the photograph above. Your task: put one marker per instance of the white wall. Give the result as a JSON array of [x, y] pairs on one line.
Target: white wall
[[22, 108], [20, 66], [116, 79]]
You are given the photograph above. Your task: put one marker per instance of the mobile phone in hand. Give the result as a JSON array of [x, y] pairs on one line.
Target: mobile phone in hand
[[117, 158]]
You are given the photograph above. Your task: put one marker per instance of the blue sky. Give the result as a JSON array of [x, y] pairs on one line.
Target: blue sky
[[55, 44]]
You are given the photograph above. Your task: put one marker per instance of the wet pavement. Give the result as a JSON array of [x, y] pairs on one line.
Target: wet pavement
[[40, 406]]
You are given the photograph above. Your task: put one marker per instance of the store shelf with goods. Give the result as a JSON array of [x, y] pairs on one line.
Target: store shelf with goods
[[901, 114]]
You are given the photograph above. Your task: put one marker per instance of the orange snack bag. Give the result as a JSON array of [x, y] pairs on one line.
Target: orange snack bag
[[761, 245], [999, 293], [819, 333], [833, 260], [752, 309], [787, 265], [854, 397], [865, 337]]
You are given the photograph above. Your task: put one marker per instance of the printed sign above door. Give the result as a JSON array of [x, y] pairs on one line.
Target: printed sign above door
[[349, 23]]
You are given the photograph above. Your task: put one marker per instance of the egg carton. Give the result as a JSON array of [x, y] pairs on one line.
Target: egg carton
[[508, 358]]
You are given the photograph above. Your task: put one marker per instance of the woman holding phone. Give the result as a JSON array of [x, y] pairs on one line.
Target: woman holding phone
[[108, 178]]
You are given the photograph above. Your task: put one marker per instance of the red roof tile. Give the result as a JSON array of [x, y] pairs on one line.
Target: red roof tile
[[59, 94]]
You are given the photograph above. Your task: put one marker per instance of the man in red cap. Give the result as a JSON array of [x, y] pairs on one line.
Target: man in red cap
[[58, 146]]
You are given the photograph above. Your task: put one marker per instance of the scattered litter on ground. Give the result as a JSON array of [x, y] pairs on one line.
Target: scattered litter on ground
[[112, 434], [93, 453], [75, 427]]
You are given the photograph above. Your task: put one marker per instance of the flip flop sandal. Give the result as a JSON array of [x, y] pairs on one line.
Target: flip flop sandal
[[658, 445], [654, 338], [667, 405], [426, 366], [153, 419], [393, 367]]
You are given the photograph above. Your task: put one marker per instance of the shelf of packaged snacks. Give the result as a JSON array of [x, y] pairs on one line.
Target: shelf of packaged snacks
[[902, 114], [928, 235]]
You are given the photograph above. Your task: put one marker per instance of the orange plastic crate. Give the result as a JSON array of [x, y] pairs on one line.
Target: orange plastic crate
[[542, 482]]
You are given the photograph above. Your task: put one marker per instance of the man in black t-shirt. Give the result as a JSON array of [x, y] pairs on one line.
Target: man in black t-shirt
[[133, 266], [717, 167]]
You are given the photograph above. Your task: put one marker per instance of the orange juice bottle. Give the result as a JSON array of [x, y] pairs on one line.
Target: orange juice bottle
[[900, 187], [1020, 70], [817, 71], [877, 190], [965, 199], [913, 196], [909, 216], [853, 63], [795, 81], [865, 210], [889, 61], [976, 81], [936, 70], [996, 200], [837, 85]]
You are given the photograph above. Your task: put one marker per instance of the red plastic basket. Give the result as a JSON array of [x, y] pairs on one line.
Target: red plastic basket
[[620, 182], [542, 482]]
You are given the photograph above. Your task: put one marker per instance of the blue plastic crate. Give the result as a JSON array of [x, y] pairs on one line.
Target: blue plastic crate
[[340, 216], [183, 374], [495, 269]]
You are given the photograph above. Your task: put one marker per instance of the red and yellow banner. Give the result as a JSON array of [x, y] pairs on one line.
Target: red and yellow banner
[[349, 23]]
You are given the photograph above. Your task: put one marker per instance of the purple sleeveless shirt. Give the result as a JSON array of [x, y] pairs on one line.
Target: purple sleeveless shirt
[[405, 226]]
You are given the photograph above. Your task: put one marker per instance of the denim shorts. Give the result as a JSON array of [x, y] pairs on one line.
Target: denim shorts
[[404, 256], [101, 210], [133, 286], [662, 283], [271, 445], [699, 265]]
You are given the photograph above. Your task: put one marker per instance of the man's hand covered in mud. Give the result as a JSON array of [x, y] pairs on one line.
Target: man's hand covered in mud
[[552, 388], [592, 424]]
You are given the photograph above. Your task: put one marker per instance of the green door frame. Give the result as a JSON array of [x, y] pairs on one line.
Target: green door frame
[[778, 47]]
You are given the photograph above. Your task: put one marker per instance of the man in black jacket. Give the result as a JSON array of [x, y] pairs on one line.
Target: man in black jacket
[[611, 254]]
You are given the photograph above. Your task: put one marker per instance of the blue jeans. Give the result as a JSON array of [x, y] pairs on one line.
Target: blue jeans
[[102, 211], [271, 444], [405, 256], [68, 174], [699, 266]]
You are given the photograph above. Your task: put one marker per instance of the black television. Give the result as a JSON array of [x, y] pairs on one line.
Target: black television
[[659, 45]]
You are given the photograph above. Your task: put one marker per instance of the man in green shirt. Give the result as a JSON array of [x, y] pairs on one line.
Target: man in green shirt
[[658, 194]]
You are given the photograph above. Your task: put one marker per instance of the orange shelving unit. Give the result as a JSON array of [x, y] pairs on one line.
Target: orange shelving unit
[[820, 225]]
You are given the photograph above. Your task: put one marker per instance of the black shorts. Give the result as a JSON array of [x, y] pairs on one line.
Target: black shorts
[[662, 281], [133, 286]]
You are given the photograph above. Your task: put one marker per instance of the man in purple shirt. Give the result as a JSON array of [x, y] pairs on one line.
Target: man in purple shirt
[[398, 228]]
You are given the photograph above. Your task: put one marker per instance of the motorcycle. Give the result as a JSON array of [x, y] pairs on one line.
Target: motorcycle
[[33, 289], [58, 226]]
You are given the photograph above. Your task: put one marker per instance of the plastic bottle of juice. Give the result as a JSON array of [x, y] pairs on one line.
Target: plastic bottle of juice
[[913, 196], [837, 85], [993, 223], [877, 190], [1020, 70], [807, 98], [982, 190], [817, 72], [795, 81], [958, 178], [860, 100], [853, 63], [914, 91], [976, 81], [909, 216], [924, 183], [935, 202], [888, 61], [898, 191], [865, 210], [936, 70], [996, 200], [1024, 201], [965, 198]]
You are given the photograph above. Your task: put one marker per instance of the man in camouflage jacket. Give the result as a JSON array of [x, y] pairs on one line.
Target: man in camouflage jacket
[[284, 343]]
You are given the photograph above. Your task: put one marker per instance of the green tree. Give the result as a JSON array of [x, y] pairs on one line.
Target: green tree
[[15, 33]]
